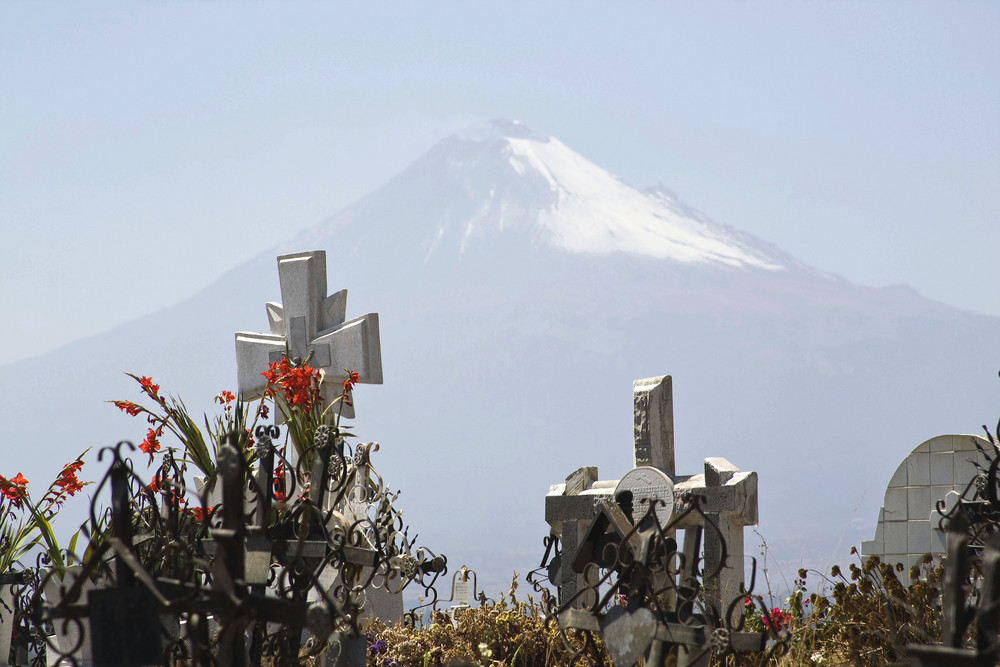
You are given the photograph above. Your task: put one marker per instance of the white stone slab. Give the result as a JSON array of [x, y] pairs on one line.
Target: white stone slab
[[943, 468], [918, 537], [918, 469], [918, 502], [895, 504], [895, 536]]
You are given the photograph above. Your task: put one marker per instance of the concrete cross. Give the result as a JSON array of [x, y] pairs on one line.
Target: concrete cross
[[571, 507], [729, 497], [310, 325]]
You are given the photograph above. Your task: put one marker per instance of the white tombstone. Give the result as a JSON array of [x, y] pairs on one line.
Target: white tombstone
[[310, 325], [908, 527], [729, 495]]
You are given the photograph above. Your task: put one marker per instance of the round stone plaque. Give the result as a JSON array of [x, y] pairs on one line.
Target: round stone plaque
[[647, 484]]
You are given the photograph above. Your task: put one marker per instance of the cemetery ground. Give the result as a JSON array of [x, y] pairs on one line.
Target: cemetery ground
[[263, 534]]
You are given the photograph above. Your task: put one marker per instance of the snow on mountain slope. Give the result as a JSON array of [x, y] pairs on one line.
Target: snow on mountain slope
[[502, 179], [594, 212]]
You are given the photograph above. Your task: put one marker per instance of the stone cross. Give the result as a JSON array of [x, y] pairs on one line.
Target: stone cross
[[653, 411], [570, 507], [729, 498], [310, 325]]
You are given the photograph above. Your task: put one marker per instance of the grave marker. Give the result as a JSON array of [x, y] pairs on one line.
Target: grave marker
[[312, 327], [908, 527], [729, 497]]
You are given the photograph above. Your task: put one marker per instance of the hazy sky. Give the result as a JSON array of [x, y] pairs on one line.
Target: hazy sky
[[146, 148]]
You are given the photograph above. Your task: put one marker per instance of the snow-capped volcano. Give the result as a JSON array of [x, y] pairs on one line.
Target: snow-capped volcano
[[594, 212], [520, 291], [503, 177]]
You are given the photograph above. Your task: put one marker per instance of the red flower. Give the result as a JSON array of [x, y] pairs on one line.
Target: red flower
[[67, 480], [352, 379], [151, 443], [14, 489], [777, 621], [199, 513], [272, 375], [225, 398], [279, 483], [299, 385], [149, 387], [263, 411], [128, 407]]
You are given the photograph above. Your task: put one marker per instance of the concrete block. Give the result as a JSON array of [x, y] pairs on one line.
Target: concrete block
[[918, 502], [899, 477], [918, 537], [942, 443], [895, 536], [943, 468], [895, 504], [918, 469], [965, 469], [938, 540]]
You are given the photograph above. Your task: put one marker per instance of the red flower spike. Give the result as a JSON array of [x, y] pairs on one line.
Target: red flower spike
[[151, 443], [149, 387], [128, 407]]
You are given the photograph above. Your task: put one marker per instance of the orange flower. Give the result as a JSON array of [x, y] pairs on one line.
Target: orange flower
[[199, 513], [279, 483], [67, 480], [14, 489], [151, 443], [225, 398], [128, 407], [149, 387]]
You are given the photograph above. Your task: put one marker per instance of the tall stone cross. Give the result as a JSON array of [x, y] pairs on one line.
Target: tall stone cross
[[310, 325], [571, 507], [728, 496]]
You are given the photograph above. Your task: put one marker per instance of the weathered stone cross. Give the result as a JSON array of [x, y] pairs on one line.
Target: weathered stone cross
[[312, 327], [730, 496]]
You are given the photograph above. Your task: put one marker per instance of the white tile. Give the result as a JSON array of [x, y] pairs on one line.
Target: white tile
[[964, 469], [942, 468], [918, 537], [895, 536], [899, 477], [943, 443], [918, 502], [964, 443], [871, 548], [895, 504], [937, 542], [918, 469]]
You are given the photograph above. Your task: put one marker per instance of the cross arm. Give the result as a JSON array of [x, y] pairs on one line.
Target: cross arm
[[737, 497]]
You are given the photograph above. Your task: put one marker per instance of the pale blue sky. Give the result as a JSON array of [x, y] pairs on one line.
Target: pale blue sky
[[145, 148]]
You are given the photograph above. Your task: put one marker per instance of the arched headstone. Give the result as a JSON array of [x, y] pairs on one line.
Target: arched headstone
[[938, 469]]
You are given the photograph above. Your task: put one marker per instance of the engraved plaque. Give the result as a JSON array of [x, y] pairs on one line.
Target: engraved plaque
[[647, 484]]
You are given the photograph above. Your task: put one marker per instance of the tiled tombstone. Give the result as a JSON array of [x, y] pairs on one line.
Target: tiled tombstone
[[937, 469]]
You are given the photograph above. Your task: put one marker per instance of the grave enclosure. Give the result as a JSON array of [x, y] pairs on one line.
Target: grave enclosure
[[626, 529]]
